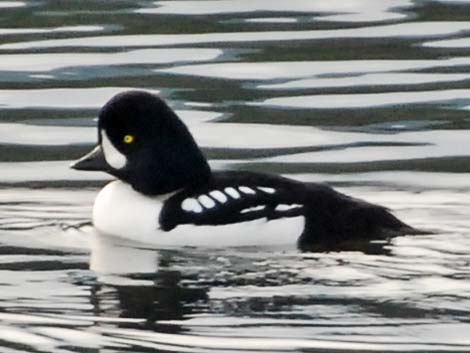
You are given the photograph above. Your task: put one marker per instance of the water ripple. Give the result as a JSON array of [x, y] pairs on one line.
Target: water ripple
[[402, 30], [351, 11]]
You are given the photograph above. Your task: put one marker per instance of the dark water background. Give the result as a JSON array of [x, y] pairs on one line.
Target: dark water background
[[372, 97]]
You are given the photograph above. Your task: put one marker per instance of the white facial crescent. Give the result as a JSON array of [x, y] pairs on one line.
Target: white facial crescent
[[113, 157]]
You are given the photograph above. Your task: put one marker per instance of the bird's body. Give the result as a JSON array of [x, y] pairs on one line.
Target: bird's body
[[138, 219], [167, 195]]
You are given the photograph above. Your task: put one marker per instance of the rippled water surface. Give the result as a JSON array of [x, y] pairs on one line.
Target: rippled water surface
[[372, 97]]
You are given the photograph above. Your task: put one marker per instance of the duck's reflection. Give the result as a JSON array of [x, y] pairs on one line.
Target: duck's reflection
[[134, 282], [138, 283]]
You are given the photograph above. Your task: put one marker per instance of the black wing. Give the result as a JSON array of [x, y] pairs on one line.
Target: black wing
[[331, 218], [232, 197]]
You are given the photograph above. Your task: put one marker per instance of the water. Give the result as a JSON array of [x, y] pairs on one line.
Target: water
[[371, 97]]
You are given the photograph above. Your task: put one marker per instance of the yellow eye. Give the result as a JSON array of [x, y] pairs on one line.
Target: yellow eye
[[128, 139]]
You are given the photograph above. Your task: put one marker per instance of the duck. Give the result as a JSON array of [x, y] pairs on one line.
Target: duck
[[165, 192]]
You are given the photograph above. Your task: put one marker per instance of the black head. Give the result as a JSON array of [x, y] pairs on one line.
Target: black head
[[143, 142]]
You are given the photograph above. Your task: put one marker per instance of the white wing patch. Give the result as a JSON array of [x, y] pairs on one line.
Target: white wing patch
[[219, 196], [232, 192], [246, 190], [266, 189], [191, 205], [113, 157], [283, 207], [252, 209], [206, 201], [198, 203]]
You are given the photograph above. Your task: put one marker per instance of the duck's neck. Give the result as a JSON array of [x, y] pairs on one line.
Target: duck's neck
[[161, 185]]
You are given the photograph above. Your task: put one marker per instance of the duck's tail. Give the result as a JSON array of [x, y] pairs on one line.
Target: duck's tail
[[333, 219]]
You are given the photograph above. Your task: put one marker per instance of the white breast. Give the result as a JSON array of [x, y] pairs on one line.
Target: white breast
[[120, 211]]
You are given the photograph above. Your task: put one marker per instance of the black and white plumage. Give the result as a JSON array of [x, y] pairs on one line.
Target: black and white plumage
[[167, 194], [231, 197]]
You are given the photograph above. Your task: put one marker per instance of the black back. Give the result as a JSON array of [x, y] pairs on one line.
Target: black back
[[286, 192], [332, 219]]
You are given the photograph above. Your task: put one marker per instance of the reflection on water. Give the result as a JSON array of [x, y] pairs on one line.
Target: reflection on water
[[399, 31], [367, 9], [369, 96], [47, 62]]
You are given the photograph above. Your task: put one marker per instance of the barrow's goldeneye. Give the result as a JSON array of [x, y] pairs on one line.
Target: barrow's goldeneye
[[167, 194]]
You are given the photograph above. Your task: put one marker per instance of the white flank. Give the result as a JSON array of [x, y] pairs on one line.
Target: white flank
[[266, 189], [232, 192], [206, 201], [191, 205], [113, 157], [219, 196], [246, 190], [122, 212]]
